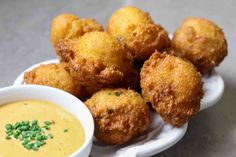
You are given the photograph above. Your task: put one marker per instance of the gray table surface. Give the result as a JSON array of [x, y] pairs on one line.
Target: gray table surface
[[24, 40]]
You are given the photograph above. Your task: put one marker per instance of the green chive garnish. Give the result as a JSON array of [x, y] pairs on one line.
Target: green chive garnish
[[46, 127], [47, 123], [9, 127], [8, 137], [50, 136], [34, 122], [31, 134], [117, 93]]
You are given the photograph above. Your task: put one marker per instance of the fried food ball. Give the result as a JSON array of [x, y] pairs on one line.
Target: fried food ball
[[137, 29], [200, 41], [120, 115], [70, 26], [173, 87], [97, 59], [54, 75]]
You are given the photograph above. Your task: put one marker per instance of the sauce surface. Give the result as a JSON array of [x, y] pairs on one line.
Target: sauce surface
[[63, 144]]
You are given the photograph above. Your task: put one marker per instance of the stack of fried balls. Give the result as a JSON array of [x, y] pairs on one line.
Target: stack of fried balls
[[122, 72]]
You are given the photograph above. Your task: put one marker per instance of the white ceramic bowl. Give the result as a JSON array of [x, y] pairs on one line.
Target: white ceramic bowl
[[59, 97]]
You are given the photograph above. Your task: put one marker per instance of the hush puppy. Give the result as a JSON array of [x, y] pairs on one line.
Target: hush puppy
[[70, 26], [120, 115], [97, 59], [200, 41], [54, 75], [137, 29], [173, 87]]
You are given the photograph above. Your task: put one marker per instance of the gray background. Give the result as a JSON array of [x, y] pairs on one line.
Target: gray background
[[24, 40]]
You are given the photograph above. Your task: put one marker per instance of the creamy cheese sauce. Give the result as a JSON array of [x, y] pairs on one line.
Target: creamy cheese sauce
[[63, 143]]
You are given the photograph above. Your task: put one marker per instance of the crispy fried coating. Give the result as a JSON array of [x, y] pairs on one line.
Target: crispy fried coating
[[173, 87], [97, 59], [200, 41], [54, 75], [65, 48], [66, 26], [137, 29], [120, 115]]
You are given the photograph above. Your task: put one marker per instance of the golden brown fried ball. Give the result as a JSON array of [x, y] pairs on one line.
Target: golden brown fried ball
[[97, 59], [120, 115], [200, 41], [54, 75], [70, 26], [173, 87], [137, 29]]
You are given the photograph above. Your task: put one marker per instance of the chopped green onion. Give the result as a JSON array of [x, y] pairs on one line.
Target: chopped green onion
[[50, 136], [9, 127], [117, 93], [30, 133], [8, 137], [47, 123], [46, 127], [34, 122]]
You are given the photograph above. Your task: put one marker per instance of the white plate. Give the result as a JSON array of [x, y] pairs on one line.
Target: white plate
[[161, 135]]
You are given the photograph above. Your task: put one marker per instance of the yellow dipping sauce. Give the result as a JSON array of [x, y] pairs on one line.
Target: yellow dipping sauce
[[63, 143]]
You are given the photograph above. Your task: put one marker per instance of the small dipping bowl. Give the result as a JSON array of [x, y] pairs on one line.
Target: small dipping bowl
[[58, 97]]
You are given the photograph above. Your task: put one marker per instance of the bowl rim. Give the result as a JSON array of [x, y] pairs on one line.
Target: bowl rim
[[88, 137]]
